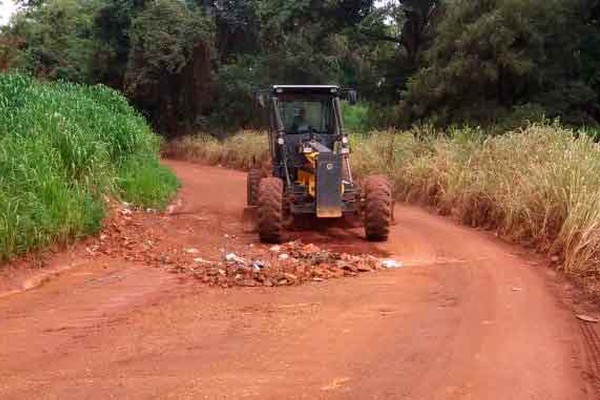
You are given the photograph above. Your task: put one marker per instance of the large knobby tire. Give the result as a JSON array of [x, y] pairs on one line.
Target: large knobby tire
[[252, 182], [270, 210], [378, 208]]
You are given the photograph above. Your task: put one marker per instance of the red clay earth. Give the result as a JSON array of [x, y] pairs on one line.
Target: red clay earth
[[467, 317]]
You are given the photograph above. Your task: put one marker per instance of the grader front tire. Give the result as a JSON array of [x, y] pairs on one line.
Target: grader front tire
[[270, 210], [378, 208]]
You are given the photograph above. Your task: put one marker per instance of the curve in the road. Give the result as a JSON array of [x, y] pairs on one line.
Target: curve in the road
[[466, 318]]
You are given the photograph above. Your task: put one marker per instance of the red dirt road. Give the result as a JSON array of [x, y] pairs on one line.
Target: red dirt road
[[466, 318]]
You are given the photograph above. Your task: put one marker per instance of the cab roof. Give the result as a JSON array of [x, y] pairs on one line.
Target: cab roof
[[306, 89]]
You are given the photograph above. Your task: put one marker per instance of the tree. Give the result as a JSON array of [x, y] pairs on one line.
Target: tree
[[112, 23], [491, 57], [168, 74], [189, 64], [59, 45], [283, 41], [406, 23], [237, 28]]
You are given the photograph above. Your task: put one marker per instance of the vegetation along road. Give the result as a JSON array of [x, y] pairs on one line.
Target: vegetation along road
[[467, 317]]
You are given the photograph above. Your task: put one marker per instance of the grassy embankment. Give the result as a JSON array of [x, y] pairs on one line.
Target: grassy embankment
[[63, 148], [538, 186]]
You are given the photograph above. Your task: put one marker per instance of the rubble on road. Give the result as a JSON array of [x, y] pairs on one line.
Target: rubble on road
[[284, 265], [130, 236]]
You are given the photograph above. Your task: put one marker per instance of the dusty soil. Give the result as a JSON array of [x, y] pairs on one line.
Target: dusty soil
[[122, 316]]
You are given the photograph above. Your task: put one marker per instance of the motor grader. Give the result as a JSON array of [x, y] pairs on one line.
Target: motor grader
[[310, 172]]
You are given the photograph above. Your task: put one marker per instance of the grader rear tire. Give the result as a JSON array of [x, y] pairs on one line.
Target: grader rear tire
[[252, 182], [270, 210], [378, 208]]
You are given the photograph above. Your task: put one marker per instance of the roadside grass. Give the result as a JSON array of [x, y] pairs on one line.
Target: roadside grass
[[538, 186], [63, 147], [242, 151]]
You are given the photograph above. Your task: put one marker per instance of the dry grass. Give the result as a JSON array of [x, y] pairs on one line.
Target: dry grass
[[242, 151], [538, 186]]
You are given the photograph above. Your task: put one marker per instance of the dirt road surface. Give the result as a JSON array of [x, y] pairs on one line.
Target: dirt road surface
[[466, 318]]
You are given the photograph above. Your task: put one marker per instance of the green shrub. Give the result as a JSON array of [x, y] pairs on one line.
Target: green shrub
[[62, 148], [356, 117]]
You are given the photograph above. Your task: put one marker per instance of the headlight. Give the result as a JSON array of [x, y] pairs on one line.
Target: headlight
[[345, 140], [307, 150], [281, 141]]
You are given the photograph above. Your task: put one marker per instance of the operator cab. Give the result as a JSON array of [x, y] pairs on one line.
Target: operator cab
[[306, 114]]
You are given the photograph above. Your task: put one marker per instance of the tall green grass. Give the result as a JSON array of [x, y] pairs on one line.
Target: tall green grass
[[62, 148], [538, 186]]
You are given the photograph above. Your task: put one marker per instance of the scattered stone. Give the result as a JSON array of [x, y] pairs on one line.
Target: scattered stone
[[192, 251], [347, 266], [362, 267], [249, 283], [258, 265], [310, 249], [267, 283], [275, 249], [284, 257], [232, 257]]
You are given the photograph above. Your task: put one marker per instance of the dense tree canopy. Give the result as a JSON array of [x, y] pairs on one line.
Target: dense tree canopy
[[193, 64], [488, 61]]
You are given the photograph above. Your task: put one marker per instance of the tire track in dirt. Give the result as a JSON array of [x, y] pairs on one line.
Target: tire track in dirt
[[591, 343]]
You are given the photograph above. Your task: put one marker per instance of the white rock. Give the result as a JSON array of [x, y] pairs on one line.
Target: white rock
[[232, 257], [389, 263]]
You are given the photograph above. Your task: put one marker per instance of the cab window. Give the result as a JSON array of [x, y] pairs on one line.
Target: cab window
[[307, 116]]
